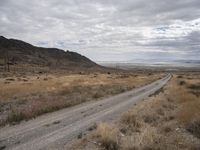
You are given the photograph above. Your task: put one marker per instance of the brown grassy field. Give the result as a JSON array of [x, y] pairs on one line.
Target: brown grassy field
[[26, 96], [167, 120]]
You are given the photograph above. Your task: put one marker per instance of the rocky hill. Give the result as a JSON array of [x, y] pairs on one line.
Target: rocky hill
[[16, 52]]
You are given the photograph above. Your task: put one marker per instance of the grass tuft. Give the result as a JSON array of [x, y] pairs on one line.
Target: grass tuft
[[107, 135], [131, 120]]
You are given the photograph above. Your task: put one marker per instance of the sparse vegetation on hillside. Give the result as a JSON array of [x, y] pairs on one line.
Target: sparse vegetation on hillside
[[16, 55]]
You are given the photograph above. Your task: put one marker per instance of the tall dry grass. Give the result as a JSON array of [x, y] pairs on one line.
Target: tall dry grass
[[108, 136], [189, 103]]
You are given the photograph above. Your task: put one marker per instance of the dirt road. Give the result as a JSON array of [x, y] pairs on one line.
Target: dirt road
[[53, 130]]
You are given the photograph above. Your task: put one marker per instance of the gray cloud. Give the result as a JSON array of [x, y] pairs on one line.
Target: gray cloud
[[107, 29]]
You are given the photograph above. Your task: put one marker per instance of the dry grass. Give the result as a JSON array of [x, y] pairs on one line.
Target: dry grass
[[194, 128], [27, 96], [21, 86], [188, 102], [189, 112], [167, 120], [131, 121], [107, 135]]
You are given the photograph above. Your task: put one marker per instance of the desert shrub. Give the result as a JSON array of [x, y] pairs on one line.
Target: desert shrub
[[25, 80], [194, 128], [16, 116], [107, 135], [150, 118], [64, 91], [160, 112], [182, 82], [168, 118], [80, 135], [196, 93], [77, 88], [167, 129], [194, 86], [93, 127], [45, 79], [118, 89], [131, 120], [168, 107], [97, 95], [73, 89], [148, 137], [10, 79], [179, 76]]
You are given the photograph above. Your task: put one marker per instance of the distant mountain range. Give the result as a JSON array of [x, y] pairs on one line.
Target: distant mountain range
[[174, 63], [165, 61], [19, 52], [145, 63], [152, 61]]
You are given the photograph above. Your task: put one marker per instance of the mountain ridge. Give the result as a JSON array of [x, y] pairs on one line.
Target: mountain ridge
[[20, 52]]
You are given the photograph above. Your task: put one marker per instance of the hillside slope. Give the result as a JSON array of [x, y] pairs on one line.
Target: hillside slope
[[19, 52]]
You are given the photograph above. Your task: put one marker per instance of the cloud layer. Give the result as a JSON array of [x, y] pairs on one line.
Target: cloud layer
[[107, 29]]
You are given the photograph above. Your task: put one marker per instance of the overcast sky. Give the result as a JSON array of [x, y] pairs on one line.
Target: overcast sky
[[107, 30]]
